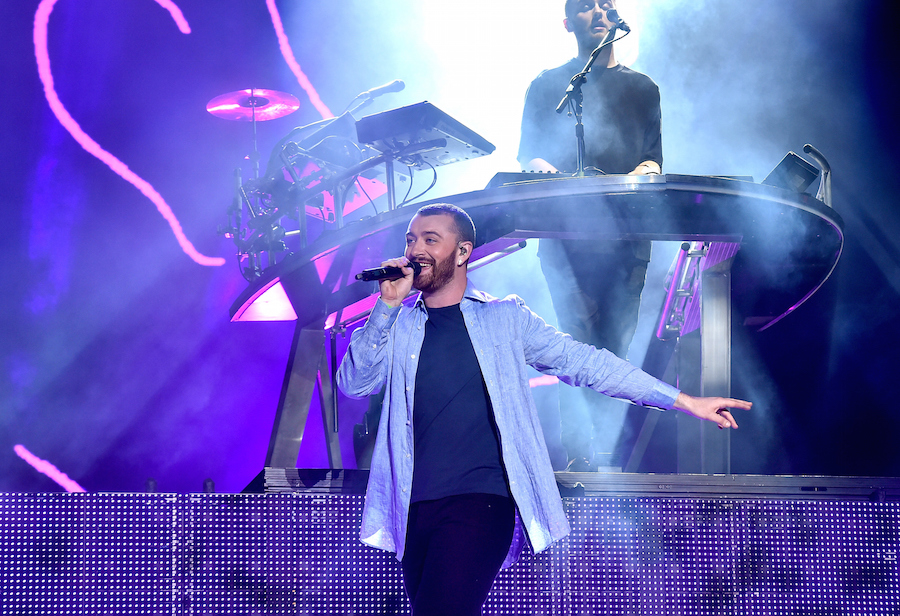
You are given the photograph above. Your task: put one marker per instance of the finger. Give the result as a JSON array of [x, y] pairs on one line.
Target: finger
[[403, 264], [396, 262], [734, 403], [725, 419]]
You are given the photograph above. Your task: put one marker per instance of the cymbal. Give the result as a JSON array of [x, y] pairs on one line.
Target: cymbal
[[241, 105]]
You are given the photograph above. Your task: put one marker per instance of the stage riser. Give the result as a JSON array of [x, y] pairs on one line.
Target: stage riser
[[299, 554]]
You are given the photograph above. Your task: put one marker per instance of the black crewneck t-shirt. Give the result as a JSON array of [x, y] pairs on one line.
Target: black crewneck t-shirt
[[457, 446], [622, 120]]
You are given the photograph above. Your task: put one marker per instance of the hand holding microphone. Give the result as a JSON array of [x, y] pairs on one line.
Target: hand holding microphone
[[387, 272], [394, 283]]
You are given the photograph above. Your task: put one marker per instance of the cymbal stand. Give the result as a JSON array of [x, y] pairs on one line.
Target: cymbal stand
[[254, 156], [254, 258]]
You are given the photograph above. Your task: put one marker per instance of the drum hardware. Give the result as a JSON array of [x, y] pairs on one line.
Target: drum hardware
[[253, 105], [313, 171]]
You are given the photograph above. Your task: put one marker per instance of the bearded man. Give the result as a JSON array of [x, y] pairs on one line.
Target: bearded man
[[460, 474]]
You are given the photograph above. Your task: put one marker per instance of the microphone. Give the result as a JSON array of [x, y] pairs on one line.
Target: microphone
[[394, 86], [613, 16], [387, 273]]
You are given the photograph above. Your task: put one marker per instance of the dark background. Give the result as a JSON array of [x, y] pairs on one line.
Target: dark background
[[119, 363]]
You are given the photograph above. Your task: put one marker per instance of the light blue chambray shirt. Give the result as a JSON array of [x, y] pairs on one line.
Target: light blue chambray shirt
[[507, 336]]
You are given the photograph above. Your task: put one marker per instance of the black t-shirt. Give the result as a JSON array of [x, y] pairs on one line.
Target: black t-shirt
[[457, 446], [622, 128], [621, 119]]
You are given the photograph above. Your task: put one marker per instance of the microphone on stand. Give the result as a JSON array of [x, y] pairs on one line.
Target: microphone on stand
[[613, 16], [387, 273], [365, 98], [394, 86]]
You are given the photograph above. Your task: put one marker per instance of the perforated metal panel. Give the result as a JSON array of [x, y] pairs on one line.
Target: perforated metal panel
[[88, 554], [299, 554]]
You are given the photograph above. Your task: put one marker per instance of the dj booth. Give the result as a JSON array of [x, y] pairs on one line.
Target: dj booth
[[759, 248]]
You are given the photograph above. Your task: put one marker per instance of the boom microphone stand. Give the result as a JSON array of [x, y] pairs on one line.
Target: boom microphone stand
[[574, 97]]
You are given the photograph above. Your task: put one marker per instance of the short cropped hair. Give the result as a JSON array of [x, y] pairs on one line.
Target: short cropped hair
[[465, 228]]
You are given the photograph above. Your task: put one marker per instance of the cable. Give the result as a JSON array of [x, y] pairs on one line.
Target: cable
[[374, 207], [430, 186]]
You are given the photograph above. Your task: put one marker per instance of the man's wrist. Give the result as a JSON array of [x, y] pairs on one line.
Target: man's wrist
[[391, 303], [682, 402]]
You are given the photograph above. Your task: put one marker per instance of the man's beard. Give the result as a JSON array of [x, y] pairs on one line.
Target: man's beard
[[437, 276]]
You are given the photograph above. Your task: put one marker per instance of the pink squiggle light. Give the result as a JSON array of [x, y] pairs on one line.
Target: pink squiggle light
[[176, 14], [46, 468], [288, 54], [41, 19]]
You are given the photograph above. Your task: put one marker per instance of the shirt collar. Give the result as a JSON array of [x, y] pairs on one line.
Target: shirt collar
[[471, 293]]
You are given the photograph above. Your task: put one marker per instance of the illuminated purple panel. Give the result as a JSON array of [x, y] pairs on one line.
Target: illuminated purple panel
[[87, 554], [298, 553], [818, 557], [240, 555], [285, 554], [534, 585]]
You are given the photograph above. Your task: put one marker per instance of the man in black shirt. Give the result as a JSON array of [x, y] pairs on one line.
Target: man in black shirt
[[460, 474], [595, 285]]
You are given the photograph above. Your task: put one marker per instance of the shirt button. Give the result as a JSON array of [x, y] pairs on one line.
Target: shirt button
[[413, 356], [404, 489]]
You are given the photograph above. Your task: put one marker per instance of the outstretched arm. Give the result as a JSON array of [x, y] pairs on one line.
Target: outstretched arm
[[712, 409]]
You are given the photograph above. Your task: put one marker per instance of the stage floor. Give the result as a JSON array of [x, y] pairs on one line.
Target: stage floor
[[297, 552]]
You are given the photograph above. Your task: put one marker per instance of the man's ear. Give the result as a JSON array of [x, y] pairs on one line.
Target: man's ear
[[566, 24], [465, 251]]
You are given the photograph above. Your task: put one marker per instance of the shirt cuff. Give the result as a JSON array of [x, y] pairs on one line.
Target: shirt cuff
[[383, 316], [663, 396]]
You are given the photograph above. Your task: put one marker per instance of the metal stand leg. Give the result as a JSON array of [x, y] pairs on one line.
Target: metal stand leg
[[389, 181], [305, 369], [715, 371], [703, 449], [687, 427], [327, 401]]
